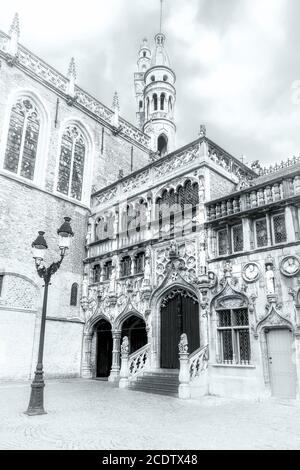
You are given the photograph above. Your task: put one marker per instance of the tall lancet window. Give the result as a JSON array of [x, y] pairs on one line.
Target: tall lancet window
[[22, 140], [71, 163]]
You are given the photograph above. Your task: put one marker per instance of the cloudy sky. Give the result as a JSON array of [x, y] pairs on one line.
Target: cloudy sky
[[237, 61]]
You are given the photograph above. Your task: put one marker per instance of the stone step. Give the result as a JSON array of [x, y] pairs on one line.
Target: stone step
[[157, 390], [160, 382]]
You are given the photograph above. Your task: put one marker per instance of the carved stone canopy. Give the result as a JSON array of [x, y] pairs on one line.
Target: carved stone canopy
[[229, 298], [273, 318]]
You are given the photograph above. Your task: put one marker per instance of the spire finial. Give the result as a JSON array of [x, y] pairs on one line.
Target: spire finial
[[72, 69], [161, 15], [15, 26], [72, 78], [116, 109], [116, 104]]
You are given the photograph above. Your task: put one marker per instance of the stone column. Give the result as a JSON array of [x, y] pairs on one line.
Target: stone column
[[289, 222], [86, 368], [204, 336], [115, 367], [133, 261], [184, 369], [248, 242], [269, 229], [124, 372]]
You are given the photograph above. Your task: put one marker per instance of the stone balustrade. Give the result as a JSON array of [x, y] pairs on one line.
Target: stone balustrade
[[278, 166], [253, 198]]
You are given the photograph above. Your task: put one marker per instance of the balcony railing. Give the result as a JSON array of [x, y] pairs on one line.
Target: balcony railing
[[253, 198]]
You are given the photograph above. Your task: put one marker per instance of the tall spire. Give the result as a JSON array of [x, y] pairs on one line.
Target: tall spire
[[14, 33]]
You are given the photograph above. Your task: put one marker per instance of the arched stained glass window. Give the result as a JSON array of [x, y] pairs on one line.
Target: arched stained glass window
[[71, 163], [22, 140], [74, 294]]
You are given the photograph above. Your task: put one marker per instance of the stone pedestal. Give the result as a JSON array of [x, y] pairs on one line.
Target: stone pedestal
[[115, 368], [184, 369], [86, 368], [124, 372]]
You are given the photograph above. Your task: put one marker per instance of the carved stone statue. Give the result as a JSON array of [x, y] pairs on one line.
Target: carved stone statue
[[147, 271], [113, 276], [183, 344], [173, 248], [270, 279], [85, 286], [125, 345], [116, 225]]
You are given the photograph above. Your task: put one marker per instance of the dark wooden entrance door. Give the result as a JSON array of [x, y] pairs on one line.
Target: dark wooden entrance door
[[179, 314], [104, 349]]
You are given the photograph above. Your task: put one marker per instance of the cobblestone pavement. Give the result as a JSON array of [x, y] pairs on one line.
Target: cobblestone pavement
[[87, 414]]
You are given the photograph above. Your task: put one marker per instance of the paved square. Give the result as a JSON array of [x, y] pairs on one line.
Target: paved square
[[88, 414]]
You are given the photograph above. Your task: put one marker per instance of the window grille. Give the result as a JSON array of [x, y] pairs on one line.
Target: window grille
[[261, 232], [139, 263], [279, 228], [22, 139], [71, 163], [237, 238], [74, 294], [126, 266], [234, 336], [107, 270], [222, 242], [96, 273]]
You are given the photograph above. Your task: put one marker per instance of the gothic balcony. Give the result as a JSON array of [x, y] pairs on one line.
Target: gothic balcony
[[101, 247], [275, 191]]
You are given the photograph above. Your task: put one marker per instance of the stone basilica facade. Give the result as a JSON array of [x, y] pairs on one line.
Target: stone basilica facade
[[183, 277]]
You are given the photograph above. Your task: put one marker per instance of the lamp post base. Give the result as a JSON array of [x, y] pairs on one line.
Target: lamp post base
[[36, 402]]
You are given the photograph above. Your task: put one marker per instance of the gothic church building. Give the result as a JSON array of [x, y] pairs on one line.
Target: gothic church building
[[183, 275]]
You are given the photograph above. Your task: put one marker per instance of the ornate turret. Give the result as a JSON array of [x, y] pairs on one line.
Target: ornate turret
[[144, 62], [159, 99]]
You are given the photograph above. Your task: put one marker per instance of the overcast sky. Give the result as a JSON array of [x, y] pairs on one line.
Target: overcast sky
[[236, 61]]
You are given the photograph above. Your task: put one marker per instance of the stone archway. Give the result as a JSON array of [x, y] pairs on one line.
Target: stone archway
[[134, 327], [173, 281]]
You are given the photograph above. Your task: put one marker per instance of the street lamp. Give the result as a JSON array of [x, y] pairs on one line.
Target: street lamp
[[39, 246]]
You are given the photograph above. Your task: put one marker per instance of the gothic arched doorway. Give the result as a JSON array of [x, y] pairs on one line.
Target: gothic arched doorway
[[179, 314], [135, 329], [104, 348]]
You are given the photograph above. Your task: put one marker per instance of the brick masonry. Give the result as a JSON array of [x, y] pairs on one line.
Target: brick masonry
[[26, 208]]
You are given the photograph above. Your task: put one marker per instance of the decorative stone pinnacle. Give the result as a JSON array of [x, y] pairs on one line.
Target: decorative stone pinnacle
[[116, 104], [15, 26], [72, 69], [202, 132]]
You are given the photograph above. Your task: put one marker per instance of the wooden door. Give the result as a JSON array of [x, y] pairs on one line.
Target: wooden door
[[281, 366], [179, 315]]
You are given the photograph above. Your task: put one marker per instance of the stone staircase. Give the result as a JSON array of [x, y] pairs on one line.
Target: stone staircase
[[161, 382]]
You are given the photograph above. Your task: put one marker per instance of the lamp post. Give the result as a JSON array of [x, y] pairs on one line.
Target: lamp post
[[65, 233]]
